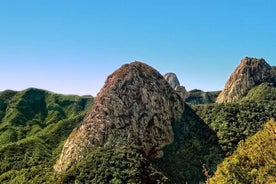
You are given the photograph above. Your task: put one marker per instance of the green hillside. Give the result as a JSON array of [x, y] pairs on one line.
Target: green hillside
[[234, 122], [33, 127], [254, 161], [195, 146], [118, 165], [197, 96]]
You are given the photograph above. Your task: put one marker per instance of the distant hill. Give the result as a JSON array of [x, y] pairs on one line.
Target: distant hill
[[33, 125], [261, 93], [197, 96]]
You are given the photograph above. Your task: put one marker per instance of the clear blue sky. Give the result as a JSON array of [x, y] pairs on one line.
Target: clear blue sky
[[71, 47]]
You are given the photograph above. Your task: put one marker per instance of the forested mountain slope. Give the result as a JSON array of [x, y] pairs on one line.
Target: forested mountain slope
[[127, 121], [33, 125], [235, 121], [254, 161]]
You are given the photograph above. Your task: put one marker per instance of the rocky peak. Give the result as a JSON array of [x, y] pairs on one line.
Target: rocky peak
[[172, 79], [249, 73], [135, 108]]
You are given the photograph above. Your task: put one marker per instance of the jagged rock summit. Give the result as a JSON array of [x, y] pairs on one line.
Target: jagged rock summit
[[135, 108], [172, 79], [249, 73]]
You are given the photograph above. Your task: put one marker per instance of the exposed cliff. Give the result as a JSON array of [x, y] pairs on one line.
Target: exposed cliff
[[172, 79], [135, 108], [249, 73]]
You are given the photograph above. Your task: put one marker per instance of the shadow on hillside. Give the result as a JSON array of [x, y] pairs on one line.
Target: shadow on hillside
[[194, 144]]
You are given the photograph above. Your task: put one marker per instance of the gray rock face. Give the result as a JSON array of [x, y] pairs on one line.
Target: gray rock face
[[248, 74], [135, 108], [172, 79]]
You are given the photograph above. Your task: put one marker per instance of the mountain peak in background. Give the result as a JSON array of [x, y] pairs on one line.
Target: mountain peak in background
[[135, 108], [249, 73], [172, 79]]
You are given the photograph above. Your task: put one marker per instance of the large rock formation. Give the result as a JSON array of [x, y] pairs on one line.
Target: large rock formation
[[172, 79], [248, 74], [135, 108]]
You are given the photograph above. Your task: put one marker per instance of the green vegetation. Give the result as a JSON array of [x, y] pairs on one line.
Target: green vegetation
[[200, 97], [254, 161], [234, 122], [33, 127], [120, 165], [195, 145]]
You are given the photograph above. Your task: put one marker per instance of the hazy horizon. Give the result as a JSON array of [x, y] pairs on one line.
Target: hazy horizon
[[71, 47]]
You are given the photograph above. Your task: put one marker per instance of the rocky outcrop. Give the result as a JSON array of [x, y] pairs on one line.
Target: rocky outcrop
[[172, 79], [135, 108], [248, 74]]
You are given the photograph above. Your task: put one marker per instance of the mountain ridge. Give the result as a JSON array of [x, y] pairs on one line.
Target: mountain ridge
[[35, 124]]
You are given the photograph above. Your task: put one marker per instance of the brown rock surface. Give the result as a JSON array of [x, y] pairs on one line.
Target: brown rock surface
[[248, 74], [135, 108]]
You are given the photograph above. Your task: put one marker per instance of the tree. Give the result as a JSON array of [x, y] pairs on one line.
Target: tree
[[254, 161]]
